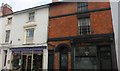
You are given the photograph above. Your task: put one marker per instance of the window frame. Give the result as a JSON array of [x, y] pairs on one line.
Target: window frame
[[86, 56], [7, 36], [27, 31], [86, 22], [82, 6], [31, 16], [9, 20]]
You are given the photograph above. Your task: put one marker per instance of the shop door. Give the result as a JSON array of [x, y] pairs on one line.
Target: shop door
[[105, 58], [27, 62], [37, 62], [64, 59]]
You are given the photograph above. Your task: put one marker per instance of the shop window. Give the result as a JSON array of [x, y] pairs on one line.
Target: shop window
[[85, 58], [37, 62], [16, 62]]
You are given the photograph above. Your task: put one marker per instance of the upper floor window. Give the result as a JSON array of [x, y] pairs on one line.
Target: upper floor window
[[7, 36], [29, 35], [84, 26], [10, 20], [31, 16], [82, 6]]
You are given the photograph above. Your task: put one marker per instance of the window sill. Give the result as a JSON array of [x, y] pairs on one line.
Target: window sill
[[30, 24], [5, 43], [28, 44], [30, 21], [8, 24]]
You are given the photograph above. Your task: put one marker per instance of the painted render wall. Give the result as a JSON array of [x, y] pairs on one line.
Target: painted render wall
[[115, 17], [17, 33], [19, 21], [0, 42]]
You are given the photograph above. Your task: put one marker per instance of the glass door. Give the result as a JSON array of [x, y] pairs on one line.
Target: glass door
[[105, 57], [63, 61], [24, 57], [37, 62], [27, 62]]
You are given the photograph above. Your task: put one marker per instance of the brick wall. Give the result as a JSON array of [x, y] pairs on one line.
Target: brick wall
[[62, 8], [64, 26], [98, 5], [68, 26], [100, 23], [6, 11]]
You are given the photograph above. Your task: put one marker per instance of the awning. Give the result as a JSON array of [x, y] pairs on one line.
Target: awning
[[27, 50]]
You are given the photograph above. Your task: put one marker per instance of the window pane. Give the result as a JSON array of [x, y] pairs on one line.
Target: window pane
[[84, 26], [85, 57], [63, 59], [82, 6], [82, 51], [10, 20], [29, 35], [30, 32], [7, 36], [85, 63], [31, 16], [83, 9]]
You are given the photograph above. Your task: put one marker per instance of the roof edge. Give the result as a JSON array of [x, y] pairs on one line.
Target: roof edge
[[27, 10]]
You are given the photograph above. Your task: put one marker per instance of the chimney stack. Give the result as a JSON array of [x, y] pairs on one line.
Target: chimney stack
[[55, 0], [5, 9]]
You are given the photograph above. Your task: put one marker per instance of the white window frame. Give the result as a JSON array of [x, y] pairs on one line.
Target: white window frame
[[27, 37], [7, 36], [31, 16], [83, 6], [86, 22], [9, 20]]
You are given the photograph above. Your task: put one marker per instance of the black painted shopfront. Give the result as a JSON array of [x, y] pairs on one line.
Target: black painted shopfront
[[90, 52]]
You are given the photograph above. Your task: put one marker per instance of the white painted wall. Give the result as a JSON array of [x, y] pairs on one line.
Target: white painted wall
[[0, 29], [17, 27], [114, 9], [5, 27], [21, 20], [0, 42]]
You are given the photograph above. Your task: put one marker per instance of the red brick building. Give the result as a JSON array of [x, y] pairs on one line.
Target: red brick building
[[81, 36]]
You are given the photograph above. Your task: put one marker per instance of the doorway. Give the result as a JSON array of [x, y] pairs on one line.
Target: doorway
[[32, 62], [27, 62], [62, 49]]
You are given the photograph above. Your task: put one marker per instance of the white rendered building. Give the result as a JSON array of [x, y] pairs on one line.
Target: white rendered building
[[24, 43]]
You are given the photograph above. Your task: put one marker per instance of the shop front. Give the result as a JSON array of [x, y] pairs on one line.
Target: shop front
[[28, 58], [94, 52], [88, 52]]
